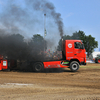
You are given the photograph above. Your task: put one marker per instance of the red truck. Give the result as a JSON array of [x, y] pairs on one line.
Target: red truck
[[74, 54]]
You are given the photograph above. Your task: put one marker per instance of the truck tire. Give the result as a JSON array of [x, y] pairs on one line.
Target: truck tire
[[74, 66], [38, 67]]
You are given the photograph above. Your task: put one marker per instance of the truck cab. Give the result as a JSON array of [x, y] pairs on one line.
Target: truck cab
[[74, 50]]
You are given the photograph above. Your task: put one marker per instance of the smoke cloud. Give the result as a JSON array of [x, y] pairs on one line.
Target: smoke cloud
[[23, 18], [48, 9]]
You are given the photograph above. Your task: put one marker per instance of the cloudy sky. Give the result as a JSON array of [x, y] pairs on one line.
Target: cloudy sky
[[27, 17]]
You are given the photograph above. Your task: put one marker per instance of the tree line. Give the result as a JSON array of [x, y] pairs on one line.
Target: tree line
[[15, 47]]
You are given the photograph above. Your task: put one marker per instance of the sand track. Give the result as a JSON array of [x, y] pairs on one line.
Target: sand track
[[63, 85]]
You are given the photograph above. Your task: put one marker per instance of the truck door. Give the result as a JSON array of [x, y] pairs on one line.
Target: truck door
[[79, 53], [69, 49]]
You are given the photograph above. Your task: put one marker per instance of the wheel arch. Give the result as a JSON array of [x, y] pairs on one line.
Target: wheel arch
[[74, 60]]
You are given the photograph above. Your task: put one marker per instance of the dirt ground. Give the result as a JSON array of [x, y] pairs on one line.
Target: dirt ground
[[49, 85]]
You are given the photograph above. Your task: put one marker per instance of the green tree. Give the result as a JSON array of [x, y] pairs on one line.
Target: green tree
[[90, 44], [38, 43], [36, 47]]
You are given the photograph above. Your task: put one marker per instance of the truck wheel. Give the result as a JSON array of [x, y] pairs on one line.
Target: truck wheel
[[38, 67], [74, 66]]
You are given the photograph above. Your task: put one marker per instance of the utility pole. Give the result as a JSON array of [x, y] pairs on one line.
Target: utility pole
[[44, 30], [44, 25]]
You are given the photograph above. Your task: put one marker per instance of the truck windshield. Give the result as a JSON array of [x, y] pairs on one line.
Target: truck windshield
[[78, 45]]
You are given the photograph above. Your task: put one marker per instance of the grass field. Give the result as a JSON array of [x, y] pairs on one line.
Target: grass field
[[90, 65]]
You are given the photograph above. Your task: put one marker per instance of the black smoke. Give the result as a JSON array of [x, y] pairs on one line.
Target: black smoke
[[14, 47], [17, 21]]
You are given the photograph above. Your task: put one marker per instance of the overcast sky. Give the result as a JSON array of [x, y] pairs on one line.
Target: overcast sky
[[76, 15]]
